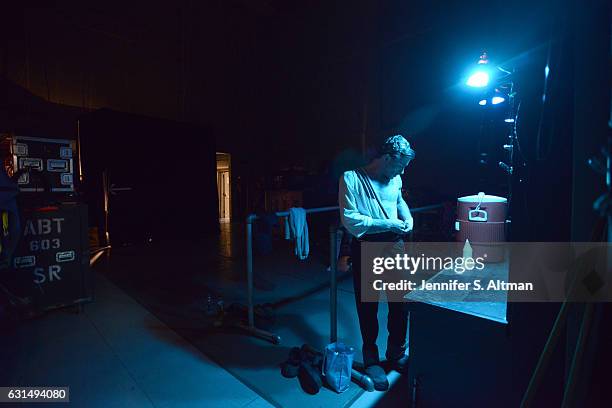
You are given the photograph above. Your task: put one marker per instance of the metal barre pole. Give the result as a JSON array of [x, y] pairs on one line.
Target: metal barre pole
[[425, 208], [253, 217], [333, 298], [333, 259], [249, 255], [308, 211]]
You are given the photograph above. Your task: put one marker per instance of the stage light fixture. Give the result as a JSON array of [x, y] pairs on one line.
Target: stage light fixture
[[509, 120], [496, 100], [480, 78]]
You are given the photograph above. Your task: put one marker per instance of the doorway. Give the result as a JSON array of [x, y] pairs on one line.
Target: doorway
[[224, 189]]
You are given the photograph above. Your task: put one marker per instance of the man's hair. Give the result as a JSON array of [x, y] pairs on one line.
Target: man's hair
[[396, 146]]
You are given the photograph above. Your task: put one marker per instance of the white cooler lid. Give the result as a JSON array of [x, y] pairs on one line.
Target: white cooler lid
[[485, 199]]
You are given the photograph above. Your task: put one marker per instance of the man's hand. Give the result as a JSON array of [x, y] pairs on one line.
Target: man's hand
[[409, 224], [398, 227], [343, 264]]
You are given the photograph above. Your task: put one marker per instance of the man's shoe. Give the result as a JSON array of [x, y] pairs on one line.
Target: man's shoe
[[378, 376], [370, 356], [310, 378], [290, 368], [399, 364]]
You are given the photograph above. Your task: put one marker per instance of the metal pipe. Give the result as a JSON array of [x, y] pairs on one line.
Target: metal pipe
[[95, 258], [79, 151], [249, 255], [333, 298], [425, 208], [583, 335], [262, 334], [308, 211], [549, 347], [333, 260], [101, 249], [253, 217], [106, 192]]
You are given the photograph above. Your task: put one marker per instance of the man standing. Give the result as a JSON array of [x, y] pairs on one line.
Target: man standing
[[372, 209]]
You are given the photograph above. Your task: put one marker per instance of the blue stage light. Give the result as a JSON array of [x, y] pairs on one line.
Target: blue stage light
[[509, 120], [478, 79], [497, 100], [483, 102]]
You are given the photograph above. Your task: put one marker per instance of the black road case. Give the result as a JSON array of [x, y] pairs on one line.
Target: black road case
[[51, 263], [45, 165]]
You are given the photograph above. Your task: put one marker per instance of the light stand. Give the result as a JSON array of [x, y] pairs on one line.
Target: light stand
[[498, 86], [513, 145]]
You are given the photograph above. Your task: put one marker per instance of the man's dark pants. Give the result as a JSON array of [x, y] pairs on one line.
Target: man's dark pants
[[397, 320]]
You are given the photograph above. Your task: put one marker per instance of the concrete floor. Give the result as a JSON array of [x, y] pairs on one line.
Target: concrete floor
[[145, 342], [117, 354]]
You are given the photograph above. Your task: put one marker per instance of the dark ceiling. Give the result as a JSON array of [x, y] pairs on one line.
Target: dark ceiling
[[278, 76]]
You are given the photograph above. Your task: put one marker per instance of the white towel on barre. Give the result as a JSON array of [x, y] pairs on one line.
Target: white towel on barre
[[299, 232]]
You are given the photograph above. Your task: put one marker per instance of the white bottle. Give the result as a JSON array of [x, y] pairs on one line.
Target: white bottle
[[467, 249]]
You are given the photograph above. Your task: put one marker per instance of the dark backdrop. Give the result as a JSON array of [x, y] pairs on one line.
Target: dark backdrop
[[169, 167]]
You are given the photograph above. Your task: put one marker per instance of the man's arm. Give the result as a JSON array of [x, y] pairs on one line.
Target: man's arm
[[355, 222], [403, 212]]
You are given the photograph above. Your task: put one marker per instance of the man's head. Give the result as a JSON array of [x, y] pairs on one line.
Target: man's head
[[395, 154]]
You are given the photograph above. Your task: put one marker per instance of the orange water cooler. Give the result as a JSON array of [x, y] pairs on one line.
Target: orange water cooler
[[481, 219]]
